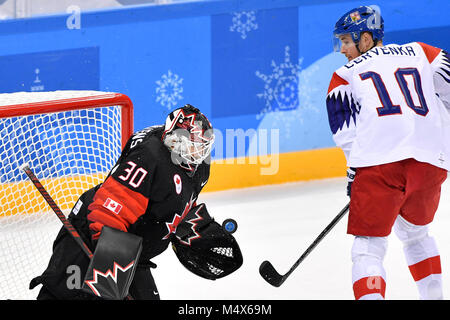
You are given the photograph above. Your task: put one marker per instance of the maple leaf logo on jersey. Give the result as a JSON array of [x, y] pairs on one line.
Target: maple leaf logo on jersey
[[112, 205], [107, 281], [194, 223], [172, 226]]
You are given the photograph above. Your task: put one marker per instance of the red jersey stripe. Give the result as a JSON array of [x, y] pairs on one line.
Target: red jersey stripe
[[369, 285], [430, 51], [335, 82], [133, 205], [425, 268]]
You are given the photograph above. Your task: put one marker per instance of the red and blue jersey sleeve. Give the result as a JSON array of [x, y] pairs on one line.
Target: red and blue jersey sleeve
[[342, 111], [440, 63]]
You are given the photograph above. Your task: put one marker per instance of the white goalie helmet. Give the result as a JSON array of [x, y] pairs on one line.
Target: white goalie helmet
[[189, 136]]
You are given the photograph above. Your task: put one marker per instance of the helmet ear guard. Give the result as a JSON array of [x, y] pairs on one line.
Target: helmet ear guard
[[204, 247]]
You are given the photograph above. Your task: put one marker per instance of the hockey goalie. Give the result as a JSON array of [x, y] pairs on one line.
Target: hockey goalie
[[147, 202]]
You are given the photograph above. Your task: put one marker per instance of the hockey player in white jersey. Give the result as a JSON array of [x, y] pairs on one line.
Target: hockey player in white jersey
[[389, 111]]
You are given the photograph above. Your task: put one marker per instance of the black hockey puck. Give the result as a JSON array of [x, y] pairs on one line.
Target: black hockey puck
[[229, 225]]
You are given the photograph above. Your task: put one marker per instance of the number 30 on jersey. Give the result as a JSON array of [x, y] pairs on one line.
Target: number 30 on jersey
[[133, 174]]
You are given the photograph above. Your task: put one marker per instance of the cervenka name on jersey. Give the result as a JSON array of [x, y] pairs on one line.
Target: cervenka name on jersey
[[392, 50]]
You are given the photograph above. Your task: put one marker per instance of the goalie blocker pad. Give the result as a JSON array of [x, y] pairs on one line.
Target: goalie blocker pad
[[204, 247], [111, 270]]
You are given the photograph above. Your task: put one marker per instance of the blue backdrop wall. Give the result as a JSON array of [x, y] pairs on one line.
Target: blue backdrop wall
[[247, 64]]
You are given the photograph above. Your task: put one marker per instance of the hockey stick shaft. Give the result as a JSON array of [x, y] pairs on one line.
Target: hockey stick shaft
[[69, 227], [269, 273]]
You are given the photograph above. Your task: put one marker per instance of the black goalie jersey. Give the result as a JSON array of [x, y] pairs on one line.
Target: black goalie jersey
[[146, 193]]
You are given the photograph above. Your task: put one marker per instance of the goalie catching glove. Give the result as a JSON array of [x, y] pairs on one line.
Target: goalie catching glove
[[111, 269], [204, 247]]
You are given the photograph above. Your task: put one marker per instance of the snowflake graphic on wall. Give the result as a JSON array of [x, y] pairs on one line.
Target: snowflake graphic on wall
[[287, 88], [244, 22], [169, 89], [280, 87]]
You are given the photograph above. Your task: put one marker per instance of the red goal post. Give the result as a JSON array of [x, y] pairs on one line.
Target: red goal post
[[99, 99]]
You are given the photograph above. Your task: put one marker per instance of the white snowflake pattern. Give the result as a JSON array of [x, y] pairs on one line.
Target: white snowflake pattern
[[244, 22], [287, 89], [169, 90]]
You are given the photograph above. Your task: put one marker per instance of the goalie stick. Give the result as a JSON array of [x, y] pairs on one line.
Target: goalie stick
[[272, 276], [69, 227], [55, 208]]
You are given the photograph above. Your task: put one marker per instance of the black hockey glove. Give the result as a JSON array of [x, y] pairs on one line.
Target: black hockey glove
[[351, 172], [204, 247]]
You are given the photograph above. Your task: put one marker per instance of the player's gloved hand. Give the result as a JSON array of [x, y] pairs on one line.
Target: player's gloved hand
[[351, 172]]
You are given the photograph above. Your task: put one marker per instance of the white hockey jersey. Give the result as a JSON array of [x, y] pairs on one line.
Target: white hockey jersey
[[392, 103]]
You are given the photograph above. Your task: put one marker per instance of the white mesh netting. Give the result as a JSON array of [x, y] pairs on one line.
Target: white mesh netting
[[70, 152]]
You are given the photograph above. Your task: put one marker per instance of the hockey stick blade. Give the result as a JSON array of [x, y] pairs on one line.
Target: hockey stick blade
[[268, 272]]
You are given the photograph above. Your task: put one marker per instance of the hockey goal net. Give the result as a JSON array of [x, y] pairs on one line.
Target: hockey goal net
[[70, 139]]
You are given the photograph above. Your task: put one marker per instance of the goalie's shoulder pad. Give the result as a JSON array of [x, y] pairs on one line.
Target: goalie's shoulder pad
[[138, 137]]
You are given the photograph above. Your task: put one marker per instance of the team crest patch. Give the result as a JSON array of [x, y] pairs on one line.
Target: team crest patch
[[178, 185], [355, 16]]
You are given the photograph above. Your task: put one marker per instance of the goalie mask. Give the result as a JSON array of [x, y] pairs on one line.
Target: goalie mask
[[189, 136], [204, 248]]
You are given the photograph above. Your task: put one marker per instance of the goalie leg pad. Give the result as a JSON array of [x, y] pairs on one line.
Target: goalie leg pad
[[204, 247], [111, 270]]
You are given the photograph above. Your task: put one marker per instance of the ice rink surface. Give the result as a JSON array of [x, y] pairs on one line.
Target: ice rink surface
[[277, 223]]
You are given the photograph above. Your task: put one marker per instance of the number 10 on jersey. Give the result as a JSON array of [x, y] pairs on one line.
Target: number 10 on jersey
[[389, 108]]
